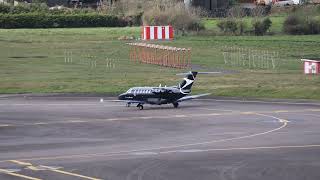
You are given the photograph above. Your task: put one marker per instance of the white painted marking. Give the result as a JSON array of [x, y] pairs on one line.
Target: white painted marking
[[279, 119], [241, 148], [101, 100], [18, 175], [144, 153], [190, 150], [5, 125], [12, 170], [77, 121], [314, 110], [167, 32], [180, 116], [21, 163], [121, 153], [49, 167], [113, 119], [70, 174], [214, 114], [145, 118], [152, 35], [41, 123]]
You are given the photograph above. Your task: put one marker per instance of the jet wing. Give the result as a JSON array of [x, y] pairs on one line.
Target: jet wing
[[129, 101], [186, 98]]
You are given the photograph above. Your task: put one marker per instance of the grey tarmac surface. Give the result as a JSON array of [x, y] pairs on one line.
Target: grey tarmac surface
[[55, 138]]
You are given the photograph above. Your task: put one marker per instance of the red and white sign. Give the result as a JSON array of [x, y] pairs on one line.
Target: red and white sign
[[311, 66], [157, 33]]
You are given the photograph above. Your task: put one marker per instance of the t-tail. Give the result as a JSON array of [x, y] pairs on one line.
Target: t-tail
[[186, 85]]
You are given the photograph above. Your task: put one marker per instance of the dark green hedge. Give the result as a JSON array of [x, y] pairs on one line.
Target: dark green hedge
[[55, 21]]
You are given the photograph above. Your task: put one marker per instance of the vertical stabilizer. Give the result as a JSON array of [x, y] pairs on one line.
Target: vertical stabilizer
[[186, 84]]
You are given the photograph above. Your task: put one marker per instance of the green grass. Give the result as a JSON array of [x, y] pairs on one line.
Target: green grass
[[32, 61], [276, 27]]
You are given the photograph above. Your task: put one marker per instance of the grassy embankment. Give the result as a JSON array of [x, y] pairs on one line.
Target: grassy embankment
[[33, 61]]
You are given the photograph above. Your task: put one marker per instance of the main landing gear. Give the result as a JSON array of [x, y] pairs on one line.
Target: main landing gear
[[175, 105], [128, 104], [140, 106]]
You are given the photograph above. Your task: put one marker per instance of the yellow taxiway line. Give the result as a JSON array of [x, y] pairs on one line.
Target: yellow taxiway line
[[69, 173], [20, 163], [18, 175], [48, 168]]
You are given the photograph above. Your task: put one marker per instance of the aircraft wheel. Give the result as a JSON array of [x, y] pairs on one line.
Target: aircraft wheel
[[175, 105], [128, 105], [140, 106]]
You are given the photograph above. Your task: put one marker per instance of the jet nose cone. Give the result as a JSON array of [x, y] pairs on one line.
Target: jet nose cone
[[121, 97]]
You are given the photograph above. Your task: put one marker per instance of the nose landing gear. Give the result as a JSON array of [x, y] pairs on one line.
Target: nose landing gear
[[140, 106]]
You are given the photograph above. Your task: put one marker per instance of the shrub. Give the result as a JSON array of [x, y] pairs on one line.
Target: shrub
[[294, 25], [303, 20], [52, 21], [23, 8], [261, 26], [172, 13], [4, 8], [228, 26], [297, 24], [19, 9], [313, 26], [232, 26], [242, 27]]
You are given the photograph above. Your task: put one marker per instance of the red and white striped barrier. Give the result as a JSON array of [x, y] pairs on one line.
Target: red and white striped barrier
[[311, 66], [157, 33]]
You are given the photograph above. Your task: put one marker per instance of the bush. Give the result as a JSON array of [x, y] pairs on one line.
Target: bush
[[175, 14], [4, 8], [232, 26], [53, 21], [296, 24], [228, 26], [313, 26], [261, 26], [242, 27], [303, 20], [23, 8]]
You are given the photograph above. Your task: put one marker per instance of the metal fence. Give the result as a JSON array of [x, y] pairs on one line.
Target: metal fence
[[89, 59], [251, 58]]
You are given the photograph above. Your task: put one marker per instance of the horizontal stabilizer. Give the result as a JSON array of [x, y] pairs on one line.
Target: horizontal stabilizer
[[183, 74], [186, 98]]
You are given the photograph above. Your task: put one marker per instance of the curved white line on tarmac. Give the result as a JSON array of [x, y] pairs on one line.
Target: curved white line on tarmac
[[285, 123], [121, 153]]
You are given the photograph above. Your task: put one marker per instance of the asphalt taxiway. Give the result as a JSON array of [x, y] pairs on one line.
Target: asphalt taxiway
[[54, 138]]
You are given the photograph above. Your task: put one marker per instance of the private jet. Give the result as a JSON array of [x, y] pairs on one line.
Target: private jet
[[161, 95]]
